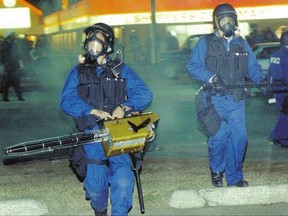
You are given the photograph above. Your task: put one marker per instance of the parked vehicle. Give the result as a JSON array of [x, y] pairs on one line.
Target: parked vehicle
[[263, 52]]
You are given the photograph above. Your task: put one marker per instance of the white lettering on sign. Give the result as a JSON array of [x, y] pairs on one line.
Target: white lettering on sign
[[123, 19], [275, 60], [258, 13], [186, 16], [193, 16]]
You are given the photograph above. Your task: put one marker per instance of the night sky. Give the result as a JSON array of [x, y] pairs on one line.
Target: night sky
[[50, 6], [34, 2]]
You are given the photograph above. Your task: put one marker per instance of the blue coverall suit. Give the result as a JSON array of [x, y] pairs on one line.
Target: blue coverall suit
[[119, 175], [227, 146], [278, 71]]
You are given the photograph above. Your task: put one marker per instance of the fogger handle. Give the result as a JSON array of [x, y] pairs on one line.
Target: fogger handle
[[139, 189]]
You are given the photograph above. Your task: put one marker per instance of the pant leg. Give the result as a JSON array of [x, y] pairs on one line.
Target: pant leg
[[218, 143], [218, 148], [274, 135], [237, 143], [227, 147], [17, 87], [96, 182], [280, 131], [6, 85], [121, 181]]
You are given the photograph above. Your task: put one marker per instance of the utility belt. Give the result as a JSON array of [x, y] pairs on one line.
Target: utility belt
[[237, 93]]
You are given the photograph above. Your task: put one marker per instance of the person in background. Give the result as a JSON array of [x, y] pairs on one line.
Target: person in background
[[278, 74], [171, 42], [98, 88], [11, 59], [222, 59]]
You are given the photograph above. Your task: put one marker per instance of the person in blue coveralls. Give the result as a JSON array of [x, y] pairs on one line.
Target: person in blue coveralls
[[222, 59], [278, 75], [98, 88]]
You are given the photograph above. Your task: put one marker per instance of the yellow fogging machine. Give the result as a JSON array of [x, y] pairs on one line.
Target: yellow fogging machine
[[117, 136]]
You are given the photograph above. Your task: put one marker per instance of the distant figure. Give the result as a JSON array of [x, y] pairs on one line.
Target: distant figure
[[1, 54], [278, 74], [171, 42], [12, 69], [263, 36], [269, 35], [134, 48]]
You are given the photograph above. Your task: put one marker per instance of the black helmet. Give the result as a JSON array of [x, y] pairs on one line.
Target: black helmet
[[284, 39], [90, 31], [225, 10]]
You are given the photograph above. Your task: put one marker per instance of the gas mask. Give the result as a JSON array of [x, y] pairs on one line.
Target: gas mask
[[225, 19], [227, 25]]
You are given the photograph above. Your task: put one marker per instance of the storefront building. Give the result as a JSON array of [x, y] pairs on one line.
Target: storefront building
[[140, 21]]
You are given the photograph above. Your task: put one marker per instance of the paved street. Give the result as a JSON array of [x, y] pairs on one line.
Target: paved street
[[179, 141]]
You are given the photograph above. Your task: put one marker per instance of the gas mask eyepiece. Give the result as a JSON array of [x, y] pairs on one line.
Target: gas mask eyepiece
[[95, 43], [95, 47]]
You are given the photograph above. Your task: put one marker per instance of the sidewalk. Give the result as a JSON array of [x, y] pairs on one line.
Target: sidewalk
[[170, 187]]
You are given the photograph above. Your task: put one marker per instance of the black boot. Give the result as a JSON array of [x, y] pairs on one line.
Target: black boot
[[242, 183], [101, 213], [217, 179], [19, 94]]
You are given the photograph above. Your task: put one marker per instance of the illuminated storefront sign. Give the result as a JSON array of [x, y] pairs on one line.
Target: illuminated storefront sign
[[123, 19], [189, 16], [15, 18], [259, 13]]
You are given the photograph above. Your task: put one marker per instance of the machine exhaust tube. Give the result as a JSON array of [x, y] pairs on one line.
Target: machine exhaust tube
[[51, 144]]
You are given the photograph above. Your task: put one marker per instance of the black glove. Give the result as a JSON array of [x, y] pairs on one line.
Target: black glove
[[264, 86], [218, 86]]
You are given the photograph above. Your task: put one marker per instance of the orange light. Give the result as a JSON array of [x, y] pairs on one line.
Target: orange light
[[64, 4]]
